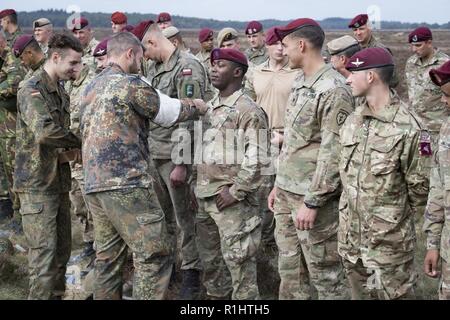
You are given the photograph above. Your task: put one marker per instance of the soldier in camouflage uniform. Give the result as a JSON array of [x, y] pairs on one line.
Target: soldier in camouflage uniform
[[83, 32], [257, 53], [42, 172], [206, 39], [424, 96], [229, 175], [115, 111], [9, 24], [11, 74], [306, 194], [43, 30], [28, 50], [383, 168], [179, 75], [437, 217]]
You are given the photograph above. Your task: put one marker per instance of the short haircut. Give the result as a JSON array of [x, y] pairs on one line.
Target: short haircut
[[313, 34], [63, 41], [238, 65], [34, 46], [385, 74], [121, 42], [349, 52], [13, 18]]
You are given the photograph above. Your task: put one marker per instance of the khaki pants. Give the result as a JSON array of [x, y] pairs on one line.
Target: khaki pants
[[228, 243], [47, 227], [301, 261], [130, 218]]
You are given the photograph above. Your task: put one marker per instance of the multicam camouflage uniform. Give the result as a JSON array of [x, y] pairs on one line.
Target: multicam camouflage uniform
[[205, 59], [114, 123], [230, 238], [308, 173], [181, 77], [437, 214], [87, 58], [258, 56], [42, 180], [385, 181], [11, 74]]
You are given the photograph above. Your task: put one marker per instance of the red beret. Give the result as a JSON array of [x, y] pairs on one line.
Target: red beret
[[141, 29], [369, 59], [253, 27], [205, 34], [359, 21], [271, 37], [441, 75], [119, 18], [21, 43], [420, 34], [7, 12], [230, 55], [128, 28], [163, 17], [101, 49], [79, 24], [295, 25]]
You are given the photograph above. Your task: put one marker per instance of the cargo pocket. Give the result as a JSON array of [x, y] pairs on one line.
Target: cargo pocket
[[34, 225], [244, 244], [151, 236]]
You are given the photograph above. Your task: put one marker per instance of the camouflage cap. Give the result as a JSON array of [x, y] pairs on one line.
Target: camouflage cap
[[170, 32], [226, 34], [42, 22], [341, 44]]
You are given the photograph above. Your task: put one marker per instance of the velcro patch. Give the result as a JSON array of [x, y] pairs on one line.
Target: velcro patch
[[425, 144], [187, 72]]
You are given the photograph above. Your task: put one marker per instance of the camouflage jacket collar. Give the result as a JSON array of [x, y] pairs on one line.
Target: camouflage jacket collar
[[37, 65], [230, 101], [430, 62], [113, 67], [265, 66], [90, 47], [388, 113], [11, 37], [83, 75], [309, 83], [169, 65], [49, 84]]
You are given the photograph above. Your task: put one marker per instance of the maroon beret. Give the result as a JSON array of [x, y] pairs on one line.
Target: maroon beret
[[253, 27], [230, 55], [271, 37], [21, 43], [205, 34], [141, 29], [79, 24], [359, 21], [163, 17], [295, 25], [128, 28], [420, 34], [119, 17], [441, 75], [7, 12], [101, 49], [369, 59]]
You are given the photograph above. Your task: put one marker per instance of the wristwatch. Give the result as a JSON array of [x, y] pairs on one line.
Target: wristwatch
[[309, 206]]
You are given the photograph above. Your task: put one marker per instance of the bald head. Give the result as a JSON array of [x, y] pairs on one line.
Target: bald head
[[157, 46]]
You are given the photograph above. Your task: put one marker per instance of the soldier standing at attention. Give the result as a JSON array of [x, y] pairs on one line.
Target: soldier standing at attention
[[43, 31], [383, 168], [9, 24], [206, 39], [42, 172], [437, 217], [118, 22], [257, 53], [306, 194], [83, 32]]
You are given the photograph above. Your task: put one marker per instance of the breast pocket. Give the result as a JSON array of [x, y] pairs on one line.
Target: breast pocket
[[385, 155]]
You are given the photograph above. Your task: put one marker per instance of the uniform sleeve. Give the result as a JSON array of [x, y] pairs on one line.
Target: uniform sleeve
[[415, 167], [36, 115], [14, 75], [434, 213], [336, 106], [249, 88], [256, 144]]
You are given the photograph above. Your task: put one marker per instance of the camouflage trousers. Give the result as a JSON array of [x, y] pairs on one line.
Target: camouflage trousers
[[267, 257], [228, 242], [80, 207], [46, 225], [175, 203], [383, 283], [302, 263], [130, 218], [444, 284], [4, 190]]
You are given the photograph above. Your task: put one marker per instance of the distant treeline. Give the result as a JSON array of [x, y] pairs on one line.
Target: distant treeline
[[102, 20]]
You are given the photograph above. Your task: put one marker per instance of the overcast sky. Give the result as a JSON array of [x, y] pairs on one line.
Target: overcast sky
[[405, 11]]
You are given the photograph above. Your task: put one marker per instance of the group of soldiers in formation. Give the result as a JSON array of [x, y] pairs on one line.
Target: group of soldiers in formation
[[292, 150]]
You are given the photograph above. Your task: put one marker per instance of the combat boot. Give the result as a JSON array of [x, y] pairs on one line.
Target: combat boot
[[190, 286]]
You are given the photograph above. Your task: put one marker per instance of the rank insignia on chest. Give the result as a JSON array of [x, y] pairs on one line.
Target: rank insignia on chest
[[425, 144], [187, 72]]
